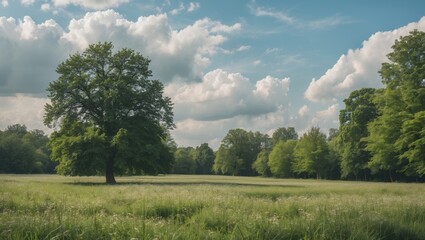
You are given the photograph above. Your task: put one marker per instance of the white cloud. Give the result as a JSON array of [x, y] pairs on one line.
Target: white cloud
[[178, 10], [193, 6], [257, 62], [303, 111], [261, 11], [358, 68], [328, 118], [243, 48], [223, 95], [27, 2], [23, 110], [190, 8], [45, 7], [30, 54], [272, 88], [4, 3], [90, 4]]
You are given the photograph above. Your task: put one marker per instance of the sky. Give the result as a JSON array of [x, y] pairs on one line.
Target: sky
[[256, 65]]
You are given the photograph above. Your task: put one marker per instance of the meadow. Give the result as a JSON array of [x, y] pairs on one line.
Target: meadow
[[207, 207]]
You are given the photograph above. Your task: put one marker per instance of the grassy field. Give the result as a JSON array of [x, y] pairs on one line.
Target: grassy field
[[207, 207]]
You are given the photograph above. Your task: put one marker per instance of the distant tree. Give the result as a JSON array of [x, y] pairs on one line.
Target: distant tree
[[281, 158], [260, 164], [359, 111], [112, 118], [312, 154], [238, 151], [284, 134], [184, 161], [204, 158], [226, 162]]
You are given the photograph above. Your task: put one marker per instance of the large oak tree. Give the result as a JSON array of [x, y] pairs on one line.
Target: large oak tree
[[109, 116]]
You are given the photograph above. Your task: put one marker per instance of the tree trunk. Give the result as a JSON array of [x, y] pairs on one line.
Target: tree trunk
[[110, 179]]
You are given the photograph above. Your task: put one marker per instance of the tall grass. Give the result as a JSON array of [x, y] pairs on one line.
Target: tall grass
[[208, 207]]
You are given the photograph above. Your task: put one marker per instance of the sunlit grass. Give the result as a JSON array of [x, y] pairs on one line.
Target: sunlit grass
[[207, 207]]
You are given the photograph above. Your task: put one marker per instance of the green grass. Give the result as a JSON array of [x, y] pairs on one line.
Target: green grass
[[207, 207]]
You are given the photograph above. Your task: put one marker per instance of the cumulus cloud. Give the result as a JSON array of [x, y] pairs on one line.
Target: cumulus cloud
[[328, 118], [30, 54], [176, 54], [22, 109], [358, 68], [4, 3], [89, 4], [223, 95]]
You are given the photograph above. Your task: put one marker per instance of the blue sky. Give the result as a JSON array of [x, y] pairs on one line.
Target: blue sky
[[257, 65]]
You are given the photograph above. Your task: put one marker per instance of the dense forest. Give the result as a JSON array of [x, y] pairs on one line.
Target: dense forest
[[381, 136]]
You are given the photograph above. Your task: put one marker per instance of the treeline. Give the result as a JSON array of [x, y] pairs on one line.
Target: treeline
[[247, 153], [381, 134], [23, 151]]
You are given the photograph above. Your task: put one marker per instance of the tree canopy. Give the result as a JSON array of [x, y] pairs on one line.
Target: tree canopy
[[238, 151], [359, 111], [312, 154], [109, 116]]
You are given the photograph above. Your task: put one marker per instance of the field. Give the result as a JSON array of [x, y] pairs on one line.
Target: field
[[207, 207]]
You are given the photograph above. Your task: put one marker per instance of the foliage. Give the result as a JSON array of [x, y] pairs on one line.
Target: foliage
[[412, 140], [112, 117], [359, 111], [281, 158], [284, 134], [260, 164], [184, 161], [226, 162], [23, 151], [204, 158], [312, 154], [238, 151]]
